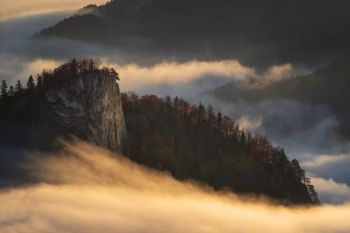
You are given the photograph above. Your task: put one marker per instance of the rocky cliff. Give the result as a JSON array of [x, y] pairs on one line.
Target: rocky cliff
[[76, 99], [90, 107]]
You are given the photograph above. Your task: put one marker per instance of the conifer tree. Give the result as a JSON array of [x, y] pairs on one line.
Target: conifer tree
[[176, 102], [74, 67], [242, 139], [39, 82], [3, 89], [201, 112], [30, 84], [92, 65], [219, 121], [210, 115], [18, 88], [11, 91]]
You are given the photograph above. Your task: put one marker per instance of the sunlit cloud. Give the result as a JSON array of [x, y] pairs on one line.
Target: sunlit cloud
[[87, 189], [19, 68], [277, 73], [331, 191], [173, 78], [174, 73], [21, 8], [332, 167], [250, 123], [322, 160], [36, 67]]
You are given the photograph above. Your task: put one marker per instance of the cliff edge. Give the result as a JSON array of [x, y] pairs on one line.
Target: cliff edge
[[76, 99]]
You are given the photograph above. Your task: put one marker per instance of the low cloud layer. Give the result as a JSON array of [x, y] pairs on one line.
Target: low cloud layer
[[331, 191], [175, 74], [324, 160], [87, 189], [192, 77], [335, 166], [166, 78]]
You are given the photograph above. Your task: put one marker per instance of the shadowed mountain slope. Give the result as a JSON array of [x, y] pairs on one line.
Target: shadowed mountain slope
[[255, 32]]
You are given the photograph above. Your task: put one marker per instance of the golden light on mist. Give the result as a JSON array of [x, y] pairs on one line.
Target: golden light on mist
[[87, 189], [135, 77]]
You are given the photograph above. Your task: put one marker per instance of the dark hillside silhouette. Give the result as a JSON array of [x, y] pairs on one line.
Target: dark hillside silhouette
[[253, 31]]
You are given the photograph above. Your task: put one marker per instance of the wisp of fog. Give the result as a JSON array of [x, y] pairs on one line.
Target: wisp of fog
[[87, 189]]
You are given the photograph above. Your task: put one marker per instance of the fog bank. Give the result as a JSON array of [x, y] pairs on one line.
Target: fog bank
[[87, 189]]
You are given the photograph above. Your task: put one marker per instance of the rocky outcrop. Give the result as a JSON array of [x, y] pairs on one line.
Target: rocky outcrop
[[89, 107], [75, 100]]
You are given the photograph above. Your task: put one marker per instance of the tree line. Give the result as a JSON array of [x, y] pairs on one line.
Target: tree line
[[25, 103], [9, 91], [50, 78]]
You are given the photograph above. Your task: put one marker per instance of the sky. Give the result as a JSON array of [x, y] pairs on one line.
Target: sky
[[21, 8], [327, 161]]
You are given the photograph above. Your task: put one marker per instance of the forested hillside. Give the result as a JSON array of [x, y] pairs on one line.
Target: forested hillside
[[191, 142], [253, 31]]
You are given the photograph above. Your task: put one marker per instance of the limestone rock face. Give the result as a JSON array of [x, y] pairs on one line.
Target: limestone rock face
[[89, 107]]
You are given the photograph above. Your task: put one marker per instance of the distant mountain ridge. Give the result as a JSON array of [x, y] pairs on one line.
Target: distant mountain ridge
[[328, 86], [255, 32]]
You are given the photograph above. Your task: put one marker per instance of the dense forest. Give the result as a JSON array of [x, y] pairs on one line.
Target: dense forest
[[189, 141], [193, 142]]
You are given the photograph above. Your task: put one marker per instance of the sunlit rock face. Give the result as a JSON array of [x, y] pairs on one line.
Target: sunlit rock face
[[89, 107]]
